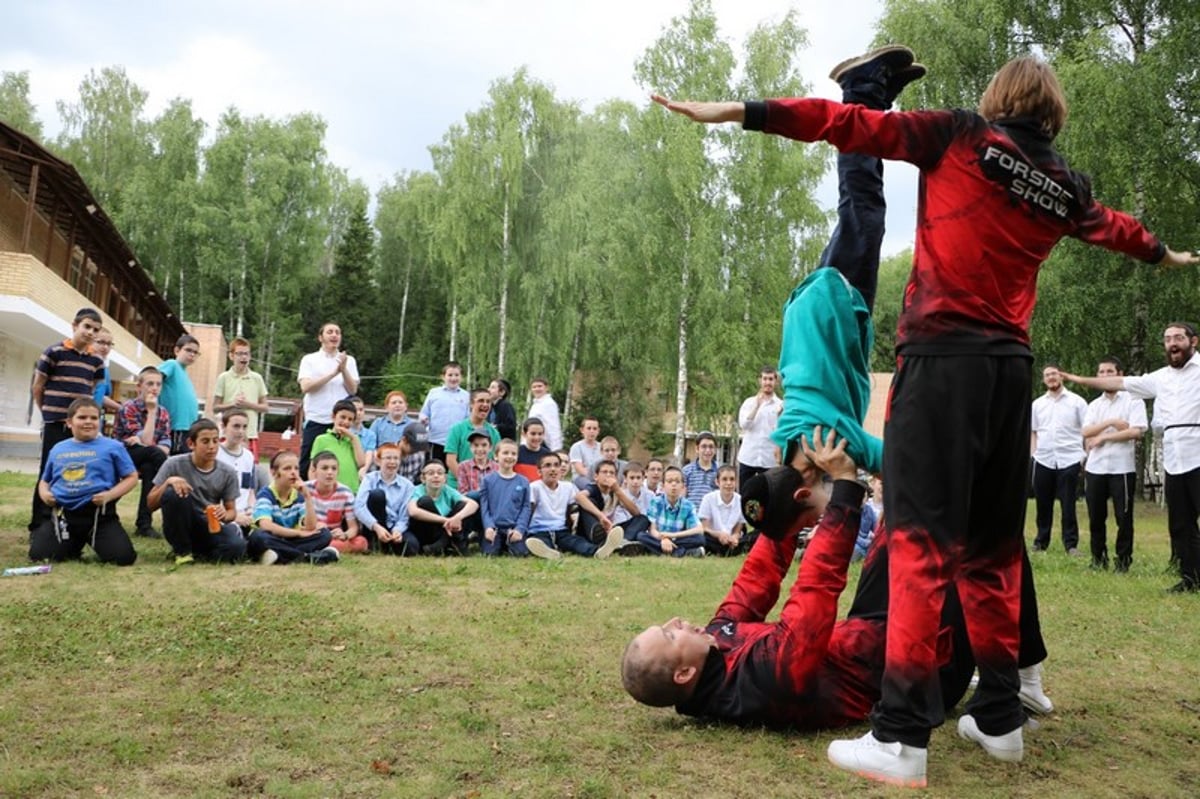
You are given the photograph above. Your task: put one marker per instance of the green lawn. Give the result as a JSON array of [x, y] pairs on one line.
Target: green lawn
[[481, 678]]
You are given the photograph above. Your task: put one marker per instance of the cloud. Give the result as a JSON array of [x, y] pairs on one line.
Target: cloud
[[390, 78]]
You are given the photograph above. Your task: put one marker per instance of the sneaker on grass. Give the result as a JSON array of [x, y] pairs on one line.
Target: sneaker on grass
[[540, 549], [324, 556], [616, 537], [894, 763], [1009, 747], [1031, 693], [268, 557]]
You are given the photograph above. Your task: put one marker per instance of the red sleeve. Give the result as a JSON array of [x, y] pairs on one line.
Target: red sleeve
[[756, 587], [1120, 232], [800, 641], [919, 137]]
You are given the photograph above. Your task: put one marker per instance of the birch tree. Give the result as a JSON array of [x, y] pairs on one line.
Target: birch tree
[[683, 198]]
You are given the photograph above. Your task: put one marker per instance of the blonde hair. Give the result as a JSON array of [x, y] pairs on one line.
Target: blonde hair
[[1026, 87]]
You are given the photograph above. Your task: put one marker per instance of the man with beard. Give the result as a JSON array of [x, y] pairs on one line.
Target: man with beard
[[1056, 443], [1175, 389]]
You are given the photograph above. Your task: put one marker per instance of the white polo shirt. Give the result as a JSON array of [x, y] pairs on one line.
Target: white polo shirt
[[721, 516], [1176, 395], [1114, 457], [1058, 421]]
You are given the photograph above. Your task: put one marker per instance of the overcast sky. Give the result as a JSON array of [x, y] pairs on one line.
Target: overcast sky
[[390, 77]]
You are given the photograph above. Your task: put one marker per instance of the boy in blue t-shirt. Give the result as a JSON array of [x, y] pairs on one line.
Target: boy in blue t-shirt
[[178, 394], [83, 478], [504, 506]]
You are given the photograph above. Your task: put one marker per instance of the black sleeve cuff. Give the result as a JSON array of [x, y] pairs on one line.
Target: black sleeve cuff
[[1160, 252], [848, 493], [756, 115]]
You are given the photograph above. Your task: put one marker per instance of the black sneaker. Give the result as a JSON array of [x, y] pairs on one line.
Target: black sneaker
[[879, 64], [631, 549], [1184, 587], [324, 556], [899, 78], [147, 532]]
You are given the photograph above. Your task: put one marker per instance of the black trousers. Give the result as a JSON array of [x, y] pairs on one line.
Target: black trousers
[[1183, 507], [64, 539], [746, 472], [588, 527], [52, 433], [308, 436], [1098, 489], [147, 461], [1050, 485]]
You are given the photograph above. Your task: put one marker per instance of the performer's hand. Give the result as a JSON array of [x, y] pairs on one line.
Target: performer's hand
[[829, 455], [704, 112]]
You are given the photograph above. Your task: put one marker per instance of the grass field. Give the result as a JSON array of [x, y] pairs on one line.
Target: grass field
[[378, 677]]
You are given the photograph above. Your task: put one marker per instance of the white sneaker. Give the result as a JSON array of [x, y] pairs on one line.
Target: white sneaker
[[1031, 693], [540, 549], [268, 557], [616, 537], [893, 763], [1009, 747]]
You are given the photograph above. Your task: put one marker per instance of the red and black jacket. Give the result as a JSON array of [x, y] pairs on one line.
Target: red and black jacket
[[807, 670], [994, 199]]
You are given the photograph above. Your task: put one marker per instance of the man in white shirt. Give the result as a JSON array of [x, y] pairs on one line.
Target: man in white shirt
[[1112, 426], [1056, 441], [545, 408], [326, 376], [1175, 389], [758, 417]]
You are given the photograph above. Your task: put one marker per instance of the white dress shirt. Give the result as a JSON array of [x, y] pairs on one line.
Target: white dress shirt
[[1114, 457], [758, 450], [1058, 421], [1176, 394]]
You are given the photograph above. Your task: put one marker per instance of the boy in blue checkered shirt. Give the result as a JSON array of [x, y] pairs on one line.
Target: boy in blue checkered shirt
[[675, 528]]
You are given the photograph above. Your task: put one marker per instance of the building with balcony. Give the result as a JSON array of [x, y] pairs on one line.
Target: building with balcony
[[60, 252]]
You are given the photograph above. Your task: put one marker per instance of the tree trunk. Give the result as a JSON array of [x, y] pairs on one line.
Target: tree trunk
[[453, 329], [567, 393], [504, 256], [404, 307], [681, 377], [241, 294]]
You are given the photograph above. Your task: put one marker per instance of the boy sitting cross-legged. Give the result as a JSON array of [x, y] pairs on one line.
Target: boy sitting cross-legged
[[550, 519], [334, 505], [285, 521], [439, 515], [674, 526]]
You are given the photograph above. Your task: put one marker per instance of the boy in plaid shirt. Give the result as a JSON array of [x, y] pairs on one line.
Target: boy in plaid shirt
[[674, 526]]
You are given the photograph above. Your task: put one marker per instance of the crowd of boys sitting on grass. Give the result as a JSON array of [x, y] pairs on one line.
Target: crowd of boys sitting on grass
[[508, 498]]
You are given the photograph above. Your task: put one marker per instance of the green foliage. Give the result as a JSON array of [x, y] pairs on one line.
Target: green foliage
[[1128, 75], [16, 108], [889, 298], [621, 240]]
